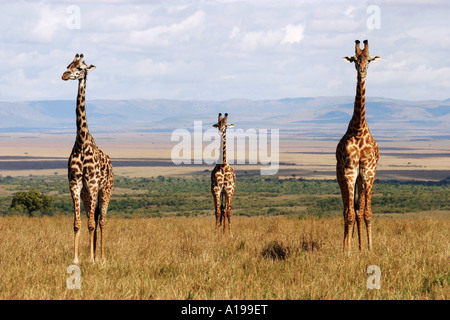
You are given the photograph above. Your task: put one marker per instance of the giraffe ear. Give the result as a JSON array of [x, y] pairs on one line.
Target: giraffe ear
[[374, 59], [349, 59], [215, 125], [230, 125], [91, 67]]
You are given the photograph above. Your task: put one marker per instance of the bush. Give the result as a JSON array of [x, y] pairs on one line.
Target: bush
[[31, 201]]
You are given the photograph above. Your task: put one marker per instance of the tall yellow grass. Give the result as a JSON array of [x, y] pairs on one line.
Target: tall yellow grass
[[182, 258]]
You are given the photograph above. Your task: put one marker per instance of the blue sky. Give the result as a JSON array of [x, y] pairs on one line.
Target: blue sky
[[218, 50]]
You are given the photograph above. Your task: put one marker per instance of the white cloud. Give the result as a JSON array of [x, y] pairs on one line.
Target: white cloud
[[294, 33], [350, 12], [235, 32], [31, 22], [125, 22], [165, 35], [254, 40]]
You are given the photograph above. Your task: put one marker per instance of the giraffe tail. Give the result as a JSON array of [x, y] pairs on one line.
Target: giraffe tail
[[222, 207]]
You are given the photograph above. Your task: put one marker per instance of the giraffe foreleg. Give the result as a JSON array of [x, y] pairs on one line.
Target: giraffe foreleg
[[347, 180], [368, 211], [96, 217], [360, 208], [368, 171], [92, 220], [90, 205], [75, 190], [104, 198]]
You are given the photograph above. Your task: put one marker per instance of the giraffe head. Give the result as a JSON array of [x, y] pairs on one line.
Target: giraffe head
[[77, 69], [222, 124], [361, 58]]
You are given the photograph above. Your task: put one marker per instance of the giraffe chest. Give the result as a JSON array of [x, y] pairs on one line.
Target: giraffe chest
[[89, 165], [353, 150]]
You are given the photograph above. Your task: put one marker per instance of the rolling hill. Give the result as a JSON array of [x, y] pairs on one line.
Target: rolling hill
[[318, 116]]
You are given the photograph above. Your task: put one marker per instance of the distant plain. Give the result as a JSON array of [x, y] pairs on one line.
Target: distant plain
[[149, 154]]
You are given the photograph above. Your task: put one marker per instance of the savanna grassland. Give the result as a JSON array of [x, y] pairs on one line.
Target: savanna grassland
[[286, 243], [182, 258]]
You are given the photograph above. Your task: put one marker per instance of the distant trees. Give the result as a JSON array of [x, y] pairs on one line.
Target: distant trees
[[31, 201], [255, 195]]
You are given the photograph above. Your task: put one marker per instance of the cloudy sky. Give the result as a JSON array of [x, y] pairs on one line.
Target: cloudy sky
[[218, 50]]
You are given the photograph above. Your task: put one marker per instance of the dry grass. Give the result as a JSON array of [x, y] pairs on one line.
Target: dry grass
[[182, 258]]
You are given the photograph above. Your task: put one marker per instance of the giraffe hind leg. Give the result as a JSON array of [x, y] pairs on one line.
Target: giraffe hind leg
[[217, 209], [228, 211], [222, 207], [360, 208], [223, 210], [104, 198]]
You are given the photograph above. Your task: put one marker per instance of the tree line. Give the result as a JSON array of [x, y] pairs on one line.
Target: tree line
[[255, 195]]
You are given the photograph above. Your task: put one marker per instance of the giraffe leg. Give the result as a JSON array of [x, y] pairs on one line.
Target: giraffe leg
[[91, 227], [347, 180], [344, 194], [350, 222], [75, 190], [96, 217], [103, 230], [224, 210], [216, 196], [104, 198], [361, 208], [87, 207], [90, 206], [368, 169], [368, 211], [228, 211], [223, 205]]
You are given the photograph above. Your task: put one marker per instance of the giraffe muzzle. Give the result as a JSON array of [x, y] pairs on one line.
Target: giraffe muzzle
[[66, 76]]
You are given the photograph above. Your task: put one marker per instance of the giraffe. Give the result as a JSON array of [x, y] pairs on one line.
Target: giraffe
[[89, 169], [357, 154], [223, 179]]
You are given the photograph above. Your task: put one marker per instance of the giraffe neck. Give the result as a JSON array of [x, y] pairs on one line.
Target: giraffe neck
[[358, 124], [224, 149], [82, 127]]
